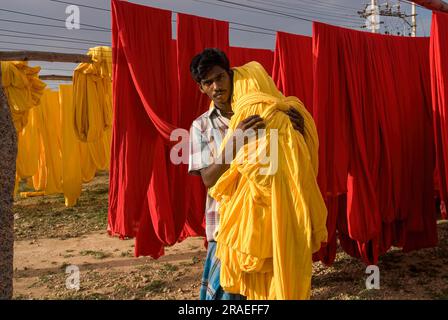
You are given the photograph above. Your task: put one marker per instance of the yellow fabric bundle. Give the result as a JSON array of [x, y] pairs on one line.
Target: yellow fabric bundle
[[270, 224], [92, 97], [23, 89]]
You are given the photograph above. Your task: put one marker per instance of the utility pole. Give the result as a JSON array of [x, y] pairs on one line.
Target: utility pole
[[414, 20], [373, 11], [373, 8]]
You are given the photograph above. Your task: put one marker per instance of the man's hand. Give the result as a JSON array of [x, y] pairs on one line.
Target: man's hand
[[254, 122], [296, 119], [212, 173]]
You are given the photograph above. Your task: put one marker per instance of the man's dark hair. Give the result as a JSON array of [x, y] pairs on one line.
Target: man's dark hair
[[202, 63]]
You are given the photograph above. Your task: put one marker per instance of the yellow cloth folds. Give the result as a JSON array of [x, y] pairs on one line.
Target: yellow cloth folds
[[28, 147], [50, 156], [271, 221], [23, 89], [49, 117], [71, 158], [80, 160], [92, 98]]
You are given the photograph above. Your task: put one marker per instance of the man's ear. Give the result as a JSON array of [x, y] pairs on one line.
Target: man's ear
[[200, 88]]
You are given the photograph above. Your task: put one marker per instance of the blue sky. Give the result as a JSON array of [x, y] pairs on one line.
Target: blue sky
[[265, 16]]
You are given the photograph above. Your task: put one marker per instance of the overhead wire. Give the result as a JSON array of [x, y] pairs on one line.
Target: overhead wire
[[305, 10], [48, 18]]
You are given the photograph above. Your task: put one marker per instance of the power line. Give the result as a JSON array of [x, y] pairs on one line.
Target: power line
[[409, 2], [43, 45], [251, 31], [265, 10], [49, 18], [280, 5], [56, 36], [49, 25], [48, 39], [242, 24], [81, 5], [328, 5], [272, 11], [230, 7], [269, 12]]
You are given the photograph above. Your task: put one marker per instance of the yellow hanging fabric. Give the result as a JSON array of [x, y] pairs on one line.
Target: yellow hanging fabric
[[92, 98], [49, 117], [28, 147], [71, 159], [40, 178], [100, 151], [88, 167], [270, 224], [23, 89]]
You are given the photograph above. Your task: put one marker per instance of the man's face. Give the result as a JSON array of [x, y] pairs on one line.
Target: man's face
[[217, 86]]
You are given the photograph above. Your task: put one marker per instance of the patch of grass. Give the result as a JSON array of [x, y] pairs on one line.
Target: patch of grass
[[155, 286], [368, 294], [21, 297], [99, 191], [47, 217], [64, 265], [443, 295], [170, 267], [45, 278], [96, 254], [394, 283], [195, 260], [127, 253]]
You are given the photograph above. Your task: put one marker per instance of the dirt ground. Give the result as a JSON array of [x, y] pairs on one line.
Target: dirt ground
[[51, 237]]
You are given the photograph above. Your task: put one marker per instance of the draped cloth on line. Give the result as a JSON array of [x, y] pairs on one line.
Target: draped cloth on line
[[270, 221], [239, 56], [372, 111], [439, 81], [194, 34], [293, 75], [293, 67], [141, 125], [23, 88], [148, 199], [92, 95]]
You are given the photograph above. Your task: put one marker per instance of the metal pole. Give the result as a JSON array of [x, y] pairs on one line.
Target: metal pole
[[372, 16], [414, 20]]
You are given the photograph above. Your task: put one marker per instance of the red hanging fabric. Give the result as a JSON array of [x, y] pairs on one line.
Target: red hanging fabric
[[141, 201], [240, 56], [439, 81], [194, 34], [372, 111], [293, 67], [332, 126]]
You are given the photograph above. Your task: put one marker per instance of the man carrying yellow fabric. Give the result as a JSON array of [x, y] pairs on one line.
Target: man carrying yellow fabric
[[262, 226]]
